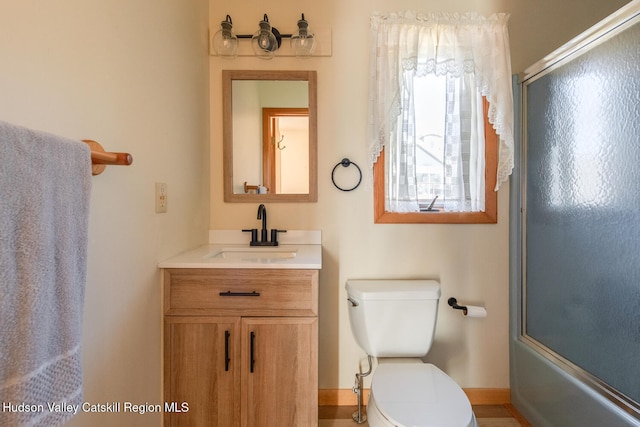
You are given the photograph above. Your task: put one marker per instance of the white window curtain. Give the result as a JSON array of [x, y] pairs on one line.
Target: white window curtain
[[473, 52], [464, 144]]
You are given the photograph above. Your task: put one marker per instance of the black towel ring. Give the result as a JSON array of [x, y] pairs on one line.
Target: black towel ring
[[346, 163]]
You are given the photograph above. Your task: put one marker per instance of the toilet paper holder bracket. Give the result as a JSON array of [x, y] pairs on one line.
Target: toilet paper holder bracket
[[454, 303]]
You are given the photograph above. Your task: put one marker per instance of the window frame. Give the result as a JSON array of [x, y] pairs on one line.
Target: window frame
[[490, 216]]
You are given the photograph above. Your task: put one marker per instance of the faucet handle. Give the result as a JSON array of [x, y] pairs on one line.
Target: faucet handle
[[254, 234], [274, 236]]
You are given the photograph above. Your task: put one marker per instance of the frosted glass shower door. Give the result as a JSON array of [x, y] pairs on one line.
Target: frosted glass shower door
[[582, 221]]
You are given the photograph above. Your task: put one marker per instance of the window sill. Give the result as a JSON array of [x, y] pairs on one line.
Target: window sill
[[385, 217]]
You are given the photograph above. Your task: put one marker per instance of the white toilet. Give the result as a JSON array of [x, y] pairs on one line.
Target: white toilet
[[395, 320]]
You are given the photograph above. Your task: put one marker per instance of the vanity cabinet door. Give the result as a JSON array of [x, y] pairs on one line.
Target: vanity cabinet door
[[279, 371], [202, 369]]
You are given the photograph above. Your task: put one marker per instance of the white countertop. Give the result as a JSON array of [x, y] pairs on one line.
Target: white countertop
[[299, 250]]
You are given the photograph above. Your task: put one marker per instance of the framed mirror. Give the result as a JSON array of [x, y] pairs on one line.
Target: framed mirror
[[269, 136]]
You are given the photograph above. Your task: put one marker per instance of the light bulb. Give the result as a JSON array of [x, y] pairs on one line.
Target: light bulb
[[302, 41], [265, 41], [225, 43]]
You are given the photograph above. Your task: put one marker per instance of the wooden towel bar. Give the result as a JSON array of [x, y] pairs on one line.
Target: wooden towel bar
[[100, 159]]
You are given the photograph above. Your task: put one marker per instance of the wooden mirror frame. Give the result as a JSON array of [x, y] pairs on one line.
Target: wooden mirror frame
[[228, 76]]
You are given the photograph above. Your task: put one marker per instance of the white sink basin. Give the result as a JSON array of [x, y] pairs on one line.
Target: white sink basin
[[298, 249], [255, 253]]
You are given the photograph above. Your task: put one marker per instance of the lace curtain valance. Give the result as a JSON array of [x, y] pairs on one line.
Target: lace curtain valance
[[440, 43]]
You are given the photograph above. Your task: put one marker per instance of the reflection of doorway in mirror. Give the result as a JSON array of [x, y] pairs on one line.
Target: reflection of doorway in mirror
[[286, 150]]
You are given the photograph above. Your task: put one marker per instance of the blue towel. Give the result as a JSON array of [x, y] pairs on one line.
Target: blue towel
[[45, 184]]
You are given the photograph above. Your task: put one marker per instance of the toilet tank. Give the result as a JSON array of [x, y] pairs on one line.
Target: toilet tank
[[393, 318]]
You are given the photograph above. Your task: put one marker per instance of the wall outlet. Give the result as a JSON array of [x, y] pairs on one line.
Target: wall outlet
[[161, 197]]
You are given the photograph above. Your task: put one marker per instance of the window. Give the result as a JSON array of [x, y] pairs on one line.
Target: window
[[440, 85], [430, 177]]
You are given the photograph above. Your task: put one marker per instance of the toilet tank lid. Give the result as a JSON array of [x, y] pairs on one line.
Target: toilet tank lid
[[411, 289]]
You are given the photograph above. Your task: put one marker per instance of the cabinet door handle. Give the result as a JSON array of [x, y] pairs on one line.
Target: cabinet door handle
[[239, 294], [251, 350], [227, 334]]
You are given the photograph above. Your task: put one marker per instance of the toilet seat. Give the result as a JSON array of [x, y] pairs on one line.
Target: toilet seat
[[419, 395]]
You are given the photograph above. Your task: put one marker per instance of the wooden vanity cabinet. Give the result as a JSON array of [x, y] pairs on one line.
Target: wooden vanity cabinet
[[241, 347]]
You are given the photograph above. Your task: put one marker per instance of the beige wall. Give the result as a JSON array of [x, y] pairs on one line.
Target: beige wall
[[133, 74], [470, 261]]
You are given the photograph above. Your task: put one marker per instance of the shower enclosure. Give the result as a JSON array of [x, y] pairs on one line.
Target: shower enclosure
[[575, 232]]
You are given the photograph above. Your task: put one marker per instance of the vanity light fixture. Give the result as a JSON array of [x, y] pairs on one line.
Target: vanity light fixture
[[225, 42], [265, 41], [302, 40]]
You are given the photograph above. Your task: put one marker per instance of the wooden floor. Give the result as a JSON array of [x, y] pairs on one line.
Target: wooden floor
[[487, 416]]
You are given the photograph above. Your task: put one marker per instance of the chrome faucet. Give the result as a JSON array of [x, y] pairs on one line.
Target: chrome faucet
[[264, 241]]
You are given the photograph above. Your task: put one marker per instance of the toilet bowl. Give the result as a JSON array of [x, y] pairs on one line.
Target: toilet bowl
[[394, 320], [417, 395]]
